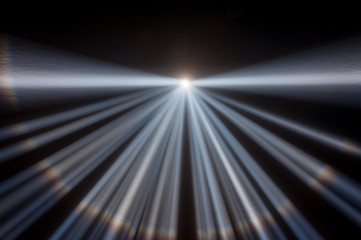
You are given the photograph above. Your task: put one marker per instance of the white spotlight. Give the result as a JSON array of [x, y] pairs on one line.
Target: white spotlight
[[185, 83]]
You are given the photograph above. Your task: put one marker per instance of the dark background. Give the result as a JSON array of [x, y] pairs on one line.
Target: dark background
[[180, 38]]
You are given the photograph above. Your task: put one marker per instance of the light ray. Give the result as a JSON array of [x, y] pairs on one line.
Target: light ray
[[43, 122], [302, 165], [40, 140], [283, 205], [325, 138], [244, 193], [72, 169], [127, 162]]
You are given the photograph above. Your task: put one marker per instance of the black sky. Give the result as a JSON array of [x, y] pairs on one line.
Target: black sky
[[182, 38]]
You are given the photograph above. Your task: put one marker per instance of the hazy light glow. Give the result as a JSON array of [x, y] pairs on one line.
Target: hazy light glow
[[152, 150], [185, 84]]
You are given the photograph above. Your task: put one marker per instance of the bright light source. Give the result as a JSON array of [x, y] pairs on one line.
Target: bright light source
[[185, 83]]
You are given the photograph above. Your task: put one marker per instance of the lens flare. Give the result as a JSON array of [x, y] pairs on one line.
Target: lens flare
[[185, 84]]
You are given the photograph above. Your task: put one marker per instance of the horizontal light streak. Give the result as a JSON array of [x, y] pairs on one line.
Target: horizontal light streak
[[45, 81], [274, 80]]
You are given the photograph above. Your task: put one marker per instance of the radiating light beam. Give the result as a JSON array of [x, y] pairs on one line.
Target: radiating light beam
[[133, 151], [301, 164], [335, 142]]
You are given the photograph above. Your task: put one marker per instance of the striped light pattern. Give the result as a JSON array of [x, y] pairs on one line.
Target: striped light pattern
[[114, 168]]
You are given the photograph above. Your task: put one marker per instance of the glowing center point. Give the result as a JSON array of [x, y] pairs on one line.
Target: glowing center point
[[185, 83]]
